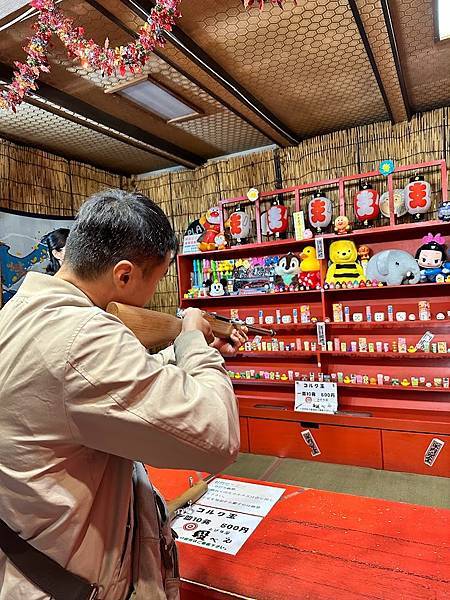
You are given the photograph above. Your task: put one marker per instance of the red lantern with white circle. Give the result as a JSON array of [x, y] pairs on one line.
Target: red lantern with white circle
[[367, 204], [240, 225], [320, 212], [275, 220], [418, 196]]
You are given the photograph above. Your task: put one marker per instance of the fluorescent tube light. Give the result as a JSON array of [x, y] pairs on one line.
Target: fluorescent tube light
[[443, 17]]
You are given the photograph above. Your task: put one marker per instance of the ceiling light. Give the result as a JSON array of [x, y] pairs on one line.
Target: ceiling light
[[158, 100], [443, 19], [7, 7]]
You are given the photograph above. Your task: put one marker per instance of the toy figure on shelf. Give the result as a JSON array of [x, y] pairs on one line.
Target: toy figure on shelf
[[211, 224], [344, 267], [286, 272], [240, 224], [364, 256], [418, 196], [432, 258], [341, 225], [367, 204], [309, 268], [393, 267], [320, 212], [444, 211], [217, 288], [275, 221]]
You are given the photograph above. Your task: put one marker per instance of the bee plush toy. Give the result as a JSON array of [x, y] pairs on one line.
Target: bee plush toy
[[344, 266], [286, 272]]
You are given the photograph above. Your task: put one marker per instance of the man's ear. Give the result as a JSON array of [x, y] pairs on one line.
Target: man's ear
[[122, 272]]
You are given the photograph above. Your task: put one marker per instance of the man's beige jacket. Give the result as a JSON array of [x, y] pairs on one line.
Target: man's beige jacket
[[80, 400]]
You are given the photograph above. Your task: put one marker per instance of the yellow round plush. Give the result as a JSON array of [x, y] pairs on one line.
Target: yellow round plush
[[344, 267]]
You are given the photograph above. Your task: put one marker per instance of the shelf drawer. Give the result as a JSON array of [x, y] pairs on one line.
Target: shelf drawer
[[243, 424], [404, 451], [342, 445]]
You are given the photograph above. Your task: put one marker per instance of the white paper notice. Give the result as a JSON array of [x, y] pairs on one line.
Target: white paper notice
[[214, 529], [241, 496]]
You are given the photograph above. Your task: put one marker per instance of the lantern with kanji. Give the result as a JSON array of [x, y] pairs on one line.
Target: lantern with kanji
[[320, 212], [367, 204], [240, 224], [418, 196], [275, 221]]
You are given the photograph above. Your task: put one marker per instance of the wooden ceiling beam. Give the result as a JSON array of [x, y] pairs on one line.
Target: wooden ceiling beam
[[89, 116], [375, 27], [208, 65]]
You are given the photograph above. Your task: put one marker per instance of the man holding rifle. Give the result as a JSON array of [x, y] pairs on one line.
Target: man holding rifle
[[83, 403]]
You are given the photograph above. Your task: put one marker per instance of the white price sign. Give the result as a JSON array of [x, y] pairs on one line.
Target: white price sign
[[320, 249], [316, 397], [190, 244]]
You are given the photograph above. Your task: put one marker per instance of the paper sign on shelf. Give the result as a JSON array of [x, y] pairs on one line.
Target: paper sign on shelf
[[299, 225], [424, 340], [190, 244], [316, 396], [321, 335], [320, 248]]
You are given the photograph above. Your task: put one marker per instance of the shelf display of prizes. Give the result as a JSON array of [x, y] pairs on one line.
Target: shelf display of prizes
[[239, 224], [418, 196], [399, 204], [275, 220], [367, 204], [320, 212]]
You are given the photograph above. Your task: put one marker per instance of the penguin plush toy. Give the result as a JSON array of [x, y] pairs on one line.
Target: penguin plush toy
[[286, 271]]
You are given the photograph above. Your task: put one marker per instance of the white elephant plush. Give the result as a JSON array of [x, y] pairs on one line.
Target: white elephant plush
[[393, 267]]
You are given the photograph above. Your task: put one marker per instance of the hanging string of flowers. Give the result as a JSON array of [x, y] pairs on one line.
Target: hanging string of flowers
[[102, 58]]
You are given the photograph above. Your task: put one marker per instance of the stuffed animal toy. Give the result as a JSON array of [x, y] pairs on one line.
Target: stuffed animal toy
[[341, 225], [211, 224], [217, 288], [344, 267], [287, 270], [364, 253], [432, 258], [393, 267], [309, 268]]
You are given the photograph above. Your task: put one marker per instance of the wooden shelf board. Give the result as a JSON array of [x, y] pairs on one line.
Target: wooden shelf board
[[390, 324], [352, 355], [352, 386]]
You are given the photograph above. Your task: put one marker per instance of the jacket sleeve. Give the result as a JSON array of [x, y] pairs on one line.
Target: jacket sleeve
[[121, 400]]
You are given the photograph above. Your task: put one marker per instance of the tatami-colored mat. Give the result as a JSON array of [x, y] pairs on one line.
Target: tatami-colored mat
[[400, 487]]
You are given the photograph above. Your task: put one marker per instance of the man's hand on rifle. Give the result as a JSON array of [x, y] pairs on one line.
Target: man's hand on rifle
[[193, 321], [231, 346]]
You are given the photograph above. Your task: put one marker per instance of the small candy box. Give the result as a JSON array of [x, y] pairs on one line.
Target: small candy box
[[402, 346], [442, 347], [305, 313], [362, 344], [338, 313], [424, 310]]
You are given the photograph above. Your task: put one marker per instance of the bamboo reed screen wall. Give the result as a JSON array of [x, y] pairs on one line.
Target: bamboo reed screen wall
[[35, 181], [38, 182], [185, 195]]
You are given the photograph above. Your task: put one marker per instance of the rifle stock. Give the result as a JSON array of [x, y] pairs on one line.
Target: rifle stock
[[156, 329]]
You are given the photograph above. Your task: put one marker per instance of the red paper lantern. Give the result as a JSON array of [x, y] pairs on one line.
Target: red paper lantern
[[320, 212], [367, 204], [240, 225], [275, 220], [418, 196]]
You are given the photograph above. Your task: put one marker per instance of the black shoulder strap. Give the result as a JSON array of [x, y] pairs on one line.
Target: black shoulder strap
[[43, 571]]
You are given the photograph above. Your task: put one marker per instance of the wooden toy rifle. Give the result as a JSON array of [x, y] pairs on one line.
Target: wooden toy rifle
[[155, 329]]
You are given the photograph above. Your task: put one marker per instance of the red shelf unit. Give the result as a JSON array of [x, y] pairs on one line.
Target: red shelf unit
[[374, 424]]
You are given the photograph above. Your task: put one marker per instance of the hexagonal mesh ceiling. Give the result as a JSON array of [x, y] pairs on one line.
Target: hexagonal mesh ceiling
[[36, 126]]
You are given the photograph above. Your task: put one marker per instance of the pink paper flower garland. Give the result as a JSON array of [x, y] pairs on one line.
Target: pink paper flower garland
[[103, 58]]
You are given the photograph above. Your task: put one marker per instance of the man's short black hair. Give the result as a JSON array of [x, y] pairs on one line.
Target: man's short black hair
[[115, 225]]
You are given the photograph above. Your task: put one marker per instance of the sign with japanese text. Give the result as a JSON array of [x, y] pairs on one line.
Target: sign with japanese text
[[226, 516], [316, 396]]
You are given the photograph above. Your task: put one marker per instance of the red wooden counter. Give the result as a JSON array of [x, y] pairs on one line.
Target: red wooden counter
[[319, 545]]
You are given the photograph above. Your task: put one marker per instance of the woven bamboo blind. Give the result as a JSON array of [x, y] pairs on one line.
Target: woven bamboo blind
[[38, 182]]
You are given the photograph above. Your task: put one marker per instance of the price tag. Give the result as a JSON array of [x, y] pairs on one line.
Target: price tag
[[320, 248], [316, 396], [299, 225], [190, 244], [322, 336]]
